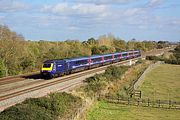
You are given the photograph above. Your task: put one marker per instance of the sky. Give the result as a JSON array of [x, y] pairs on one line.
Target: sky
[[59, 20]]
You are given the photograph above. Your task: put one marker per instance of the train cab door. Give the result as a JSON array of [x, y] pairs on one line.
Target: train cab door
[[54, 67]]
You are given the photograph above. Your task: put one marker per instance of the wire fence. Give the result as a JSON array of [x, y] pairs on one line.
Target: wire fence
[[139, 80], [150, 103], [135, 101], [155, 103]]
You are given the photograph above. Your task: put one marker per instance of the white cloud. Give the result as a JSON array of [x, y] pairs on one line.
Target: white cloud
[[90, 9], [176, 22], [134, 11], [153, 3], [77, 9], [11, 5], [73, 28], [60, 8]]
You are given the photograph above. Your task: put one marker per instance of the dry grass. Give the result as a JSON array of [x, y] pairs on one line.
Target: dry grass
[[127, 78]]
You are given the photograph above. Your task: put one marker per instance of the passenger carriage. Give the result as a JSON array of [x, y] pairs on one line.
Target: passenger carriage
[[54, 68]]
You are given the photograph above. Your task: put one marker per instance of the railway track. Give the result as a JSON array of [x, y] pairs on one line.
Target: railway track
[[11, 84], [61, 80], [53, 82], [5, 90], [8, 80], [17, 78]]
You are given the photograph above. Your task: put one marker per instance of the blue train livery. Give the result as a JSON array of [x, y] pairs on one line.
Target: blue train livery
[[58, 67]]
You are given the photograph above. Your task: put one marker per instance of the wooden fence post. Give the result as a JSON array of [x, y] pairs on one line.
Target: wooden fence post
[[169, 103], [140, 94], [128, 101], [174, 105], [148, 102], [159, 104]]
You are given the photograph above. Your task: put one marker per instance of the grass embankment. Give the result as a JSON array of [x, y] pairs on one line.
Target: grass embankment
[[163, 82], [109, 111], [120, 88]]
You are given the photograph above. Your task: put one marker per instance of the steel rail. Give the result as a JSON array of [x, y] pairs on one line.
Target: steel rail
[[61, 80]]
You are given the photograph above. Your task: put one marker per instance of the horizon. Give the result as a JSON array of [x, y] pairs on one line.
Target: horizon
[[60, 20]]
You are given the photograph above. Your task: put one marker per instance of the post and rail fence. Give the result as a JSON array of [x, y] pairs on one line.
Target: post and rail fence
[[155, 103]]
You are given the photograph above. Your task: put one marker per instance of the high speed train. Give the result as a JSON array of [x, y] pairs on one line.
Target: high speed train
[[58, 67]]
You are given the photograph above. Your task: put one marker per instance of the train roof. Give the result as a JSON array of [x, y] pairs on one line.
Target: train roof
[[53, 60], [96, 56], [76, 59], [85, 58]]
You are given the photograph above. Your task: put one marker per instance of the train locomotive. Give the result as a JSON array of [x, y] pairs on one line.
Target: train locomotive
[[58, 67]]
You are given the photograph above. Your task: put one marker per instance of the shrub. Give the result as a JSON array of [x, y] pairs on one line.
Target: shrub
[[45, 108], [139, 61], [2, 69], [114, 72], [25, 112], [152, 58], [99, 82], [95, 83]]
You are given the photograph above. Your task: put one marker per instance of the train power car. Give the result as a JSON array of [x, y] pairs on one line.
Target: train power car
[[54, 68]]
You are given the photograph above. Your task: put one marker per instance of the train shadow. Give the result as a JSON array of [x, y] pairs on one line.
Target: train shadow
[[35, 77]]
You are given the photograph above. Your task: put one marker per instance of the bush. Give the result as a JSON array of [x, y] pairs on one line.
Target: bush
[[152, 58], [95, 83], [139, 61], [114, 72], [2, 69], [99, 82], [172, 61], [45, 108], [25, 112]]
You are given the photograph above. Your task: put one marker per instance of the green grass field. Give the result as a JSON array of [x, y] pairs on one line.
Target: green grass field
[[163, 82], [109, 111]]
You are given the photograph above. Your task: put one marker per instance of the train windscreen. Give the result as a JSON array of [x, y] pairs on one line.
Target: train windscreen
[[46, 65]]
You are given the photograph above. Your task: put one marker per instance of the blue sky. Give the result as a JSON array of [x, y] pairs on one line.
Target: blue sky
[[82, 19]]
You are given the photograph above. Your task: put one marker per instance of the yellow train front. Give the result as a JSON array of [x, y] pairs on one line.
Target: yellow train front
[[53, 68]]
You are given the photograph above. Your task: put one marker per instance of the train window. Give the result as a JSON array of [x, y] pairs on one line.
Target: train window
[[124, 54], [107, 57], [131, 53], [97, 59], [116, 56], [46, 65], [82, 62]]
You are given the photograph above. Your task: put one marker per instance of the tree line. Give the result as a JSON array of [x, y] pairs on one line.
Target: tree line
[[18, 56]]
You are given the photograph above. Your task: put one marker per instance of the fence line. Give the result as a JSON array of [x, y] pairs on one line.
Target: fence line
[[137, 82], [151, 103], [167, 104]]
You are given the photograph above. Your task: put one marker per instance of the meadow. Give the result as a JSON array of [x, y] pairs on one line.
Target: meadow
[[110, 111], [163, 82]]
